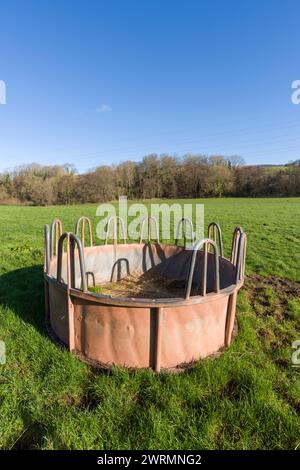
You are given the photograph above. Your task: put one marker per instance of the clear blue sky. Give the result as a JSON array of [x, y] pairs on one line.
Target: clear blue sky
[[96, 82]]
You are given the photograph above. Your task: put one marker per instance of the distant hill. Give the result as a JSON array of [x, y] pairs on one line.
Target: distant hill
[[295, 163], [271, 167]]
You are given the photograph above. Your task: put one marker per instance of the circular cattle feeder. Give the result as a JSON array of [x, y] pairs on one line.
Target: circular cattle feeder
[[141, 305]]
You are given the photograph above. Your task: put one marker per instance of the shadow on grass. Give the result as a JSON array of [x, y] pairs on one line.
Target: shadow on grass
[[34, 435], [22, 291], [31, 438]]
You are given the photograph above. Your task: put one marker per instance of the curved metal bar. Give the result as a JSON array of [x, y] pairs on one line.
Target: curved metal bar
[[244, 256], [115, 219], [82, 220], [235, 238], [72, 240], [60, 253], [240, 258], [149, 218], [56, 229], [76, 240], [47, 248], [206, 242], [184, 221], [212, 231]]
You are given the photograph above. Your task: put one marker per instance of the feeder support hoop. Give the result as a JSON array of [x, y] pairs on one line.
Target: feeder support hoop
[[72, 240], [82, 220], [55, 232], [184, 222], [149, 219], [234, 246], [206, 242], [114, 219], [47, 248], [213, 230], [240, 258]]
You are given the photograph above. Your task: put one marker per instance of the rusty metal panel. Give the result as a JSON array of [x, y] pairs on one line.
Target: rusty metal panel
[[193, 332], [58, 314], [115, 335], [131, 337]]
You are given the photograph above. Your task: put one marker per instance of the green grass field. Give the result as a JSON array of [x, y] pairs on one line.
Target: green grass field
[[248, 398]]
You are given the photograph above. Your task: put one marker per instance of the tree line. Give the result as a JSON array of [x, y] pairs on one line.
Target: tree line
[[156, 176]]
